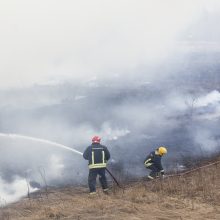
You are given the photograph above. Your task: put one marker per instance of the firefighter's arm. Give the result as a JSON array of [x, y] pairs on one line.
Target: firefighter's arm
[[147, 161], [86, 154], [107, 154]]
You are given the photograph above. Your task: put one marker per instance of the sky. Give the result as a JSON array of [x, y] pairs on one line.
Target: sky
[[50, 41]]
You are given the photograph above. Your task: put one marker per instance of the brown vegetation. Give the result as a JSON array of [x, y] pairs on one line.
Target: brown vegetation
[[193, 195]]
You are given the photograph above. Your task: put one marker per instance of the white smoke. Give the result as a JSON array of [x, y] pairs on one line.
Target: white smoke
[[11, 192], [92, 62], [55, 169], [110, 133], [206, 141], [208, 106], [77, 40], [212, 98]]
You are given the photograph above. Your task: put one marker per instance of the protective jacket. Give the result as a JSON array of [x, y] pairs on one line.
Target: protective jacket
[[97, 155], [153, 159]]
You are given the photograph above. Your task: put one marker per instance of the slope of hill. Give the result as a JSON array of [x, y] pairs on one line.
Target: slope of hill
[[190, 195]]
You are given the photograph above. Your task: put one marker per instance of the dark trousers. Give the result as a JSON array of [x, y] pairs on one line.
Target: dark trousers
[[154, 170], [92, 178]]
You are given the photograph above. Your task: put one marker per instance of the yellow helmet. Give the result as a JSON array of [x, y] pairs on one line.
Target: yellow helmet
[[162, 151]]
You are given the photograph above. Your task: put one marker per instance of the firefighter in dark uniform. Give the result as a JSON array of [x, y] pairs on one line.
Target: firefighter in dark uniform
[[153, 162], [97, 156]]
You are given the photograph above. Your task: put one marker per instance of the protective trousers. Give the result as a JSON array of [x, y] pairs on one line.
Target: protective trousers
[[92, 179], [154, 171]]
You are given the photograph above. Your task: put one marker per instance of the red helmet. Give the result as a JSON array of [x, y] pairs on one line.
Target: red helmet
[[96, 139]]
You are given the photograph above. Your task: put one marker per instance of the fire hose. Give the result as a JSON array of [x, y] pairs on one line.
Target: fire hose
[[110, 173], [116, 181]]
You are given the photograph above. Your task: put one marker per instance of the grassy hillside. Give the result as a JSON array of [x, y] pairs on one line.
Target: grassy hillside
[[190, 195]]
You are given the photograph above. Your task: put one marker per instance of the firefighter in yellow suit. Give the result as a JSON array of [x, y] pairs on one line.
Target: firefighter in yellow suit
[[153, 162]]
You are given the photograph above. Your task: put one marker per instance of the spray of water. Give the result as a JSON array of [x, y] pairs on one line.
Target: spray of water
[[51, 143]]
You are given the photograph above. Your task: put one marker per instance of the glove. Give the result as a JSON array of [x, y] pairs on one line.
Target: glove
[[162, 172]]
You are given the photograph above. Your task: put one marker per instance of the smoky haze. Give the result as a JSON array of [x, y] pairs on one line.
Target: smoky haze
[[133, 75], [57, 41]]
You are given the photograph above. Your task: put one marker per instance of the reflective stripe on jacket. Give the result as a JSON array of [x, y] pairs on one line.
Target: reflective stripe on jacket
[[97, 155]]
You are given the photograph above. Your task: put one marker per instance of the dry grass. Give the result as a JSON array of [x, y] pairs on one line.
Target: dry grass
[[192, 196], [203, 184]]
